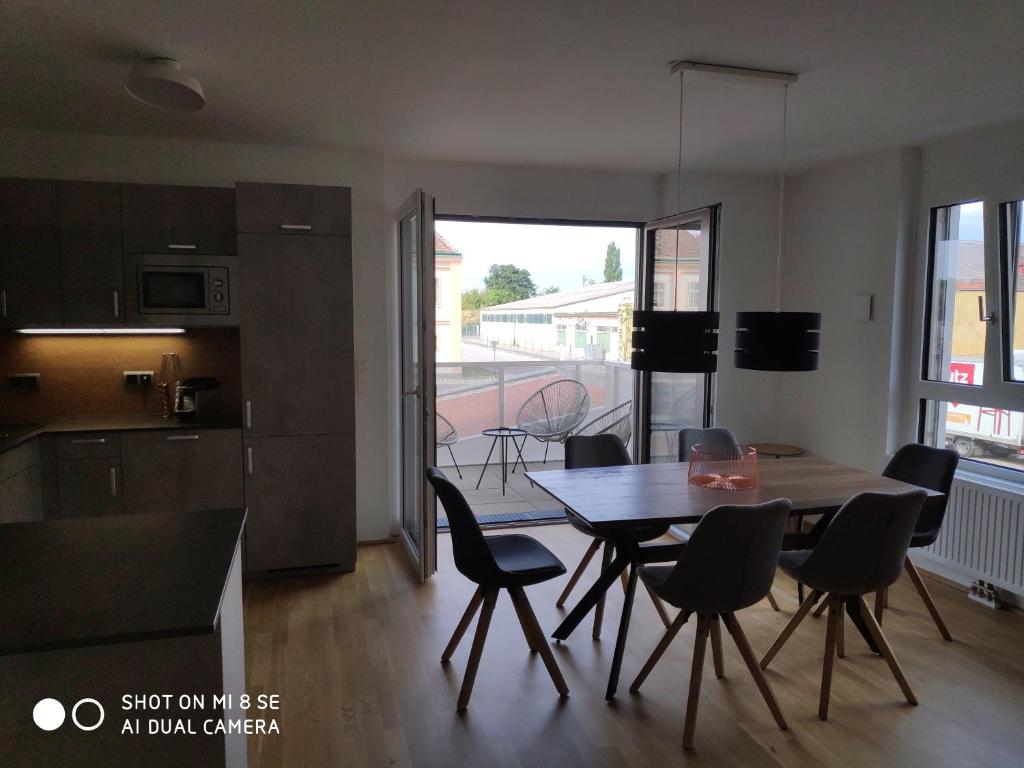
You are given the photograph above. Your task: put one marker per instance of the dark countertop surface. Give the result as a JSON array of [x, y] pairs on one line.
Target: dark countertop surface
[[105, 580], [13, 435]]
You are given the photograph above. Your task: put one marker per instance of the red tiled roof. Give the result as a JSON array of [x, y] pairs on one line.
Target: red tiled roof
[[443, 246]]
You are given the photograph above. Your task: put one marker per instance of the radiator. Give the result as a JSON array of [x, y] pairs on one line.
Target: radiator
[[982, 537]]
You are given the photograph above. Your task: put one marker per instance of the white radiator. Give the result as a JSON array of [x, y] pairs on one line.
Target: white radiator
[[982, 537]]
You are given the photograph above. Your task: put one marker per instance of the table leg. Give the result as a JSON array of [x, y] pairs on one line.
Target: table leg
[[519, 458], [620, 640], [486, 462], [589, 600], [853, 611], [504, 463]]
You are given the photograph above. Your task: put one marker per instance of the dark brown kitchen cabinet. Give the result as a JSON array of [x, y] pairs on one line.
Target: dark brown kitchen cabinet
[[182, 470], [296, 334], [89, 487], [176, 219], [294, 209], [92, 272], [21, 483], [30, 289], [300, 492]]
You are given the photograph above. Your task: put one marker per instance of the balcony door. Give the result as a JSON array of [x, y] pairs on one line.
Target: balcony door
[[415, 224], [677, 273]]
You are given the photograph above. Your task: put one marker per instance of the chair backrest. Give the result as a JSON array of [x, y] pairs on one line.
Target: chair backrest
[[931, 468], [730, 560], [862, 550], [616, 421], [473, 557], [445, 430], [605, 450], [555, 409], [716, 437]]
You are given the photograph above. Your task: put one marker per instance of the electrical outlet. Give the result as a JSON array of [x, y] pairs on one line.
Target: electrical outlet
[[138, 378]]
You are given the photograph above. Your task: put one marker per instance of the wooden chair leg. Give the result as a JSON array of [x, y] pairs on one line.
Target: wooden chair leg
[[574, 579], [490, 597], [659, 606], [531, 626], [624, 581], [659, 649], [879, 605], [834, 608], [794, 622], [716, 647], [699, 645], [773, 602], [755, 671], [887, 654], [531, 639], [606, 559], [821, 609], [841, 634], [463, 625], [922, 590], [885, 597]]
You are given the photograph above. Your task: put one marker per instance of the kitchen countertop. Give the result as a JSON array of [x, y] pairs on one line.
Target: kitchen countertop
[[104, 580], [13, 435]]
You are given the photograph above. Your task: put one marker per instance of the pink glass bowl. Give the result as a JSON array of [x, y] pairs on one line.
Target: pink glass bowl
[[725, 468]]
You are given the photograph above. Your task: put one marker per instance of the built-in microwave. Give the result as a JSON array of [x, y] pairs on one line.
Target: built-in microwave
[[181, 290]]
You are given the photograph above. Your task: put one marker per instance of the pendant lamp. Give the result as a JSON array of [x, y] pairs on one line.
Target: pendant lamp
[[778, 341], [675, 341]]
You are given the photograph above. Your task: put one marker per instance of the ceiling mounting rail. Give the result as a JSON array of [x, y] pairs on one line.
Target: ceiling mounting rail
[[722, 69]]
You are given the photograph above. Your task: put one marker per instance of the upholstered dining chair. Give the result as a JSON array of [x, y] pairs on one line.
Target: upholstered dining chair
[[510, 562], [861, 551], [728, 564], [587, 452]]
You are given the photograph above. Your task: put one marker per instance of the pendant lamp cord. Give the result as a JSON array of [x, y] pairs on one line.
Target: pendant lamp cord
[[782, 197], [679, 196]]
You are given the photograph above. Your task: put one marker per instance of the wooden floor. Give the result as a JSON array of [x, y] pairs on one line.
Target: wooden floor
[[355, 659]]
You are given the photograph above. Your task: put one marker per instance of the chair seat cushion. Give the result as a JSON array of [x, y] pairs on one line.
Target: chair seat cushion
[[790, 562], [655, 576], [523, 560], [924, 538]]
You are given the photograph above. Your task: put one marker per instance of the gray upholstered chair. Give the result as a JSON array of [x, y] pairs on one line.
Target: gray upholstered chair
[[861, 551], [586, 452], [446, 437], [728, 564], [552, 412], [510, 562], [717, 437], [616, 421]]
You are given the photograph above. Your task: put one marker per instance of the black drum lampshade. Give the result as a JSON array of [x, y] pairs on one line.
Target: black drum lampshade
[[778, 341], [675, 342]]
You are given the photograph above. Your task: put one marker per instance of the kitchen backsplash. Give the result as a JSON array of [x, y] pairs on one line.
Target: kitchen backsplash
[[84, 375]]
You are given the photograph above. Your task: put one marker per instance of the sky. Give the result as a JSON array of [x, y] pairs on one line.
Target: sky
[[554, 255], [971, 225]]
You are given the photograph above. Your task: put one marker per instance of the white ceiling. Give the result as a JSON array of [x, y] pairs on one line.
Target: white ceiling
[[571, 83]]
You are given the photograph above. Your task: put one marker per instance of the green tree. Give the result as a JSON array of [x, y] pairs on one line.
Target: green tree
[[471, 299], [588, 281], [505, 283], [612, 263], [550, 289]]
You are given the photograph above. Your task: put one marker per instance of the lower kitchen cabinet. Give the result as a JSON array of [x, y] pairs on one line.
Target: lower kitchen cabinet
[[300, 493], [182, 470], [21, 483], [89, 487]]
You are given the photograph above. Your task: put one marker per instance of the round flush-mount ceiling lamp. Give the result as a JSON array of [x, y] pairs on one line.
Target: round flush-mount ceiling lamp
[[163, 83]]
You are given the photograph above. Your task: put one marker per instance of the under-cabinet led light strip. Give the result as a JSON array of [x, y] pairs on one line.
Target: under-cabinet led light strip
[[100, 331]]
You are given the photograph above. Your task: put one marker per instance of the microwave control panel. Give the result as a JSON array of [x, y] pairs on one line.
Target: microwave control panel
[[219, 291]]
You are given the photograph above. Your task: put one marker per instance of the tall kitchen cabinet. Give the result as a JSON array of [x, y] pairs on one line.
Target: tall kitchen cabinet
[[30, 280], [295, 297]]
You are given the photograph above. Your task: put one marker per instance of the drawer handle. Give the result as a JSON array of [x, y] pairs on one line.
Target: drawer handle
[[3, 302], [182, 437], [182, 246], [248, 455], [304, 227], [248, 414], [89, 441], [113, 481], [117, 306]]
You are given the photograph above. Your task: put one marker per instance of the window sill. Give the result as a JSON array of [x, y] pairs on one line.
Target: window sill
[[990, 476]]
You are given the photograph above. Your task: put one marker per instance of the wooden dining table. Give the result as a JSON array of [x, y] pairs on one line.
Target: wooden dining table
[[618, 500]]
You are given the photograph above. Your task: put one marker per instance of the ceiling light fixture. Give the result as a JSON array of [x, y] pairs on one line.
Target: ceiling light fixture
[[161, 82], [100, 331]]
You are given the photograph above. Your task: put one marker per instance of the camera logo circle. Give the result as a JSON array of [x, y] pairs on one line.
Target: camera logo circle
[[49, 714]]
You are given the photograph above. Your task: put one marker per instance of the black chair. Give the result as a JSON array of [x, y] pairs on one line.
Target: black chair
[[588, 452], [718, 437], [494, 563], [931, 468], [728, 564], [861, 551]]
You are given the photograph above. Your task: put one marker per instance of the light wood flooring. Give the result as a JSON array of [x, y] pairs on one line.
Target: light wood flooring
[[356, 660]]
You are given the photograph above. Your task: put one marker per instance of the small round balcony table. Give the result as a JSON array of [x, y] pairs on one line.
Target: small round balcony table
[[777, 450], [503, 434]]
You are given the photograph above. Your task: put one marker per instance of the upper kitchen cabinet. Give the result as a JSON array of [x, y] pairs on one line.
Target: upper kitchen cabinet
[[92, 273], [171, 219], [294, 209], [30, 282]]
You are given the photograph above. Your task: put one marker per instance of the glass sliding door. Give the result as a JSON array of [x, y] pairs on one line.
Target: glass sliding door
[[415, 223], [677, 273]]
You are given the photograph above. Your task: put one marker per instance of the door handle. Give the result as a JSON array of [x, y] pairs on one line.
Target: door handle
[[410, 393], [181, 246], [113, 481], [182, 437], [248, 458], [304, 227], [89, 441], [3, 302], [117, 306], [248, 414], [982, 317]]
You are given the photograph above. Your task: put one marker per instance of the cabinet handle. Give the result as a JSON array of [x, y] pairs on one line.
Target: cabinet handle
[[113, 481], [305, 227], [89, 441], [3, 302], [117, 306], [182, 437], [248, 414], [248, 458], [182, 246]]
